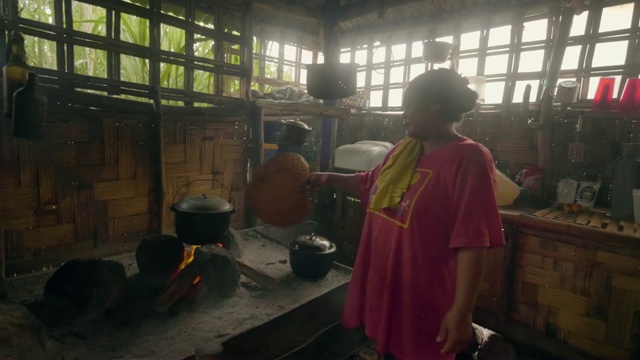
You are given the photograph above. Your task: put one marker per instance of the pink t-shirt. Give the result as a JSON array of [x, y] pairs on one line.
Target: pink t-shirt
[[404, 276]]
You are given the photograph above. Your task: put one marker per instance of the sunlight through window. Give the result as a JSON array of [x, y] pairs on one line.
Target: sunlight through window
[[610, 54], [531, 61], [496, 64], [493, 92], [534, 30], [500, 36], [468, 67], [470, 41], [616, 17], [395, 97], [571, 57]]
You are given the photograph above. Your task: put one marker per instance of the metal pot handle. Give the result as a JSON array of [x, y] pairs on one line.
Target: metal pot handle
[[231, 198], [313, 233]]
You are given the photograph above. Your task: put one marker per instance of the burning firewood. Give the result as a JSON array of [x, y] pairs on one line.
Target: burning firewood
[[176, 289]]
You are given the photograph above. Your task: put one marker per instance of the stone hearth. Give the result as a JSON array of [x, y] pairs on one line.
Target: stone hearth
[[194, 327]]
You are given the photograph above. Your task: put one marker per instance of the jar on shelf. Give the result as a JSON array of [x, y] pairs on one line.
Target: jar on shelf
[[14, 73], [29, 110]]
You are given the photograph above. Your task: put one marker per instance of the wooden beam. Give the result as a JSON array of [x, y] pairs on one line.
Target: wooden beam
[[408, 24], [312, 109], [296, 11], [360, 9]]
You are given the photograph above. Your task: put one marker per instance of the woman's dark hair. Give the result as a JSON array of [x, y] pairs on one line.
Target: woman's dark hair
[[448, 88]]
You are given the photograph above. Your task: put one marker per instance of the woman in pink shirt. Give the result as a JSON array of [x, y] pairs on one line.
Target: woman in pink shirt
[[431, 215]]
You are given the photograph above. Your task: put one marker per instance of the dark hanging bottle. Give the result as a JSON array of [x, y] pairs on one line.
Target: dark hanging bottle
[[29, 110], [14, 73]]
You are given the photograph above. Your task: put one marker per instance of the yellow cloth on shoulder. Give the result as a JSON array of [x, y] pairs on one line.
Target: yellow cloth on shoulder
[[395, 176]]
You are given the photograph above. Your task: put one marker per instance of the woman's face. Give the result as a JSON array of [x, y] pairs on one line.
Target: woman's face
[[419, 116]]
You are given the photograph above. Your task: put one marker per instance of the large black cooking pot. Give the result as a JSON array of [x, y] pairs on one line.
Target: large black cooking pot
[[294, 132], [311, 256], [331, 81], [203, 219]]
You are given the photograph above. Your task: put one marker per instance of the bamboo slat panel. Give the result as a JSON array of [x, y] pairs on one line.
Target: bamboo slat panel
[[581, 296], [593, 219], [207, 157], [88, 188]]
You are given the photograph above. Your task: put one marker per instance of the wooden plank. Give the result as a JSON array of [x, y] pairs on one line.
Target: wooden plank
[[126, 152], [72, 132], [612, 225], [127, 207], [19, 202], [143, 223], [620, 317], [621, 262], [594, 347], [49, 236], [64, 154], [626, 282], [88, 174], [46, 174], [9, 178], [109, 141], [542, 277], [174, 153], [192, 142], [183, 169], [582, 325], [563, 300], [90, 154], [20, 223], [144, 180], [208, 149], [27, 163], [627, 227], [84, 220], [109, 190]]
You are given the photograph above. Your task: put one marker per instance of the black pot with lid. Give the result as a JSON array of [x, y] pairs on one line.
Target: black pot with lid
[[294, 132], [202, 220], [311, 256]]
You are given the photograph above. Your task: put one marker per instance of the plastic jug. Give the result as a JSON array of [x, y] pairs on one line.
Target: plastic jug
[[626, 177], [507, 190]]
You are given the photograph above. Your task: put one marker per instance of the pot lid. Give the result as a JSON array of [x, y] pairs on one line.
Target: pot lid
[[204, 204], [296, 123], [312, 243]]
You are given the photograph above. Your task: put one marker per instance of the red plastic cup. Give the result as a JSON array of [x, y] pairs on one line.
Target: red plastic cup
[[630, 100], [604, 94]]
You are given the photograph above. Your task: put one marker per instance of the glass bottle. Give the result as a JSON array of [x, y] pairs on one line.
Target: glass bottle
[[14, 73], [29, 110]]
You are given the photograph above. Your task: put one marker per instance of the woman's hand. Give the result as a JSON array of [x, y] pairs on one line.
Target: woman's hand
[[318, 180], [456, 328]]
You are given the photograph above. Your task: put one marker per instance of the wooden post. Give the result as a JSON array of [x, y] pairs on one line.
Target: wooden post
[[247, 51], [546, 103], [160, 173], [3, 258], [331, 55]]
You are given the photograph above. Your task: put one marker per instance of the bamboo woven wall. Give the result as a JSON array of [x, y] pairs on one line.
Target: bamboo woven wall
[[205, 153], [583, 296], [90, 188]]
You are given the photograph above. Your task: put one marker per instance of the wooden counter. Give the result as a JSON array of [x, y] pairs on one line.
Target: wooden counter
[[560, 283]]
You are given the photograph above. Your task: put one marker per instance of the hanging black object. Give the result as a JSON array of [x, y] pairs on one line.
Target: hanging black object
[[332, 81], [29, 110], [14, 73]]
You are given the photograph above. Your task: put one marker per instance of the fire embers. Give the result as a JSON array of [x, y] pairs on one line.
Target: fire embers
[[208, 270]]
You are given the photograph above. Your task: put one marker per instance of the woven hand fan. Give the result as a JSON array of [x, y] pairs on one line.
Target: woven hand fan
[[276, 192]]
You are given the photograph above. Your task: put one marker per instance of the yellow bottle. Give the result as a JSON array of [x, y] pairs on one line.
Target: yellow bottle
[[14, 73]]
